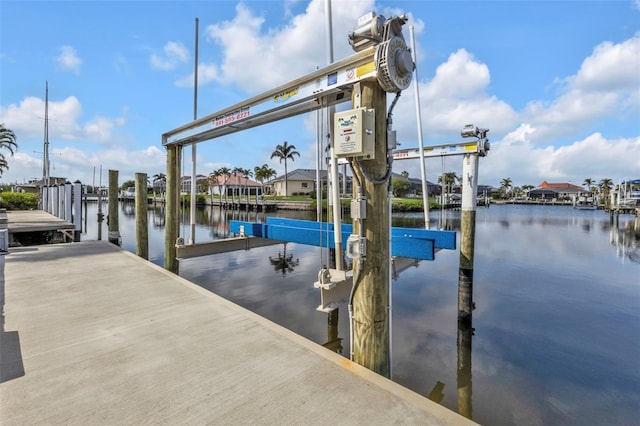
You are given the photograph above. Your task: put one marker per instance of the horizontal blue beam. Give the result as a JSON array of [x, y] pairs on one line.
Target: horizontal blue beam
[[442, 239], [405, 242]]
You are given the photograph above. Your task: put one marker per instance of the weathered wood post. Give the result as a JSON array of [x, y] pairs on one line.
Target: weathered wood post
[[467, 235], [112, 218], [371, 346], [142, 228], [172, 208]]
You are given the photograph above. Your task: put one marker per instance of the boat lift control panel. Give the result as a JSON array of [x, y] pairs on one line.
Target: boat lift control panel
[[354, 132]]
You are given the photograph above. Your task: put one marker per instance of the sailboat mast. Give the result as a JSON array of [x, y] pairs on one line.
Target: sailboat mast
[[45, 160]]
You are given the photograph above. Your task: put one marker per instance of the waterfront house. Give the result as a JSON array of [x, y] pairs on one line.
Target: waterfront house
[[560, 190], [300, 182]]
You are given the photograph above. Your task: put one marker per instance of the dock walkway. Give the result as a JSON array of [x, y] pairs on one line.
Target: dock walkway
[[92, 334]]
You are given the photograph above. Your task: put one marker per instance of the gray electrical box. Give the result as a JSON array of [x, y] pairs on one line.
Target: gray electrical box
[[354, 133]]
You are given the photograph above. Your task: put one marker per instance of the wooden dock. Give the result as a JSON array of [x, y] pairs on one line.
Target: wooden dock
[[27, 227], [92, 334]]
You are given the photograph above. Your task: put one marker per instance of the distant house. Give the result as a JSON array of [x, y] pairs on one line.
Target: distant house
[[416, 185], [300, 181], [233, 184], [185, 184], [555, 190], [34, 185]]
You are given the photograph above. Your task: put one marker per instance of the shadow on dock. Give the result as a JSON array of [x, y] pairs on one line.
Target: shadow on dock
[[11, 366]]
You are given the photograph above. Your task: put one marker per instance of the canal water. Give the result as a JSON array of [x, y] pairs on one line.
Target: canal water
[[555, 338]]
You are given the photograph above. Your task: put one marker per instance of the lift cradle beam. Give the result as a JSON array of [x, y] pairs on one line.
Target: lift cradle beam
[[327, 86], [480, 147]]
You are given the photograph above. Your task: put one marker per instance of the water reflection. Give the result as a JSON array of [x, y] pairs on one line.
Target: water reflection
[[463, 379], [626, 240], [284, 262], [557, 320], [334, 342]]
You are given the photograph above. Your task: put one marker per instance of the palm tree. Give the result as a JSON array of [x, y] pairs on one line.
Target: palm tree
[[605, 186], [588, 182], [526, 188], [159, 177], [7, 141], [447, 180], [506, 184], [215, 176], [285, 152], [263, 173]]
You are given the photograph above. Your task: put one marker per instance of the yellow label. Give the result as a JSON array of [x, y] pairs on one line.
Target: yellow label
[[365, 69], [473, 147]]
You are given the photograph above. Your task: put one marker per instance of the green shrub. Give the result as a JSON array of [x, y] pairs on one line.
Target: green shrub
[[18, 201]]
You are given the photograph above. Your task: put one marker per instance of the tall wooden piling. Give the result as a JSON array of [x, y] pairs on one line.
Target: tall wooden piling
[[467, 235], [142, 228], [112, 218], [371, 346], [172, 208]]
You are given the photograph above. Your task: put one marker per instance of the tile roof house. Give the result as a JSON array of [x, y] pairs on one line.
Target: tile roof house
[[234, 184], [556, 190]]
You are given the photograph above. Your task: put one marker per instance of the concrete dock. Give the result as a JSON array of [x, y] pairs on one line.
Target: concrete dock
[[92, 334]]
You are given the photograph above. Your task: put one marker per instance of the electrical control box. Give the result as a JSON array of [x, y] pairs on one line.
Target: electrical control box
[[356, 247], [354, 133]]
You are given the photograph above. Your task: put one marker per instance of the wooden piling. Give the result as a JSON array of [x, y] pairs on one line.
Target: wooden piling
[[371, 346], [112, 218], [142, 228], [467, 235], [172, 208]]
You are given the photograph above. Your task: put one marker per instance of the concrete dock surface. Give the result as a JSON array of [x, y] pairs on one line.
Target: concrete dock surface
[[92, 334]]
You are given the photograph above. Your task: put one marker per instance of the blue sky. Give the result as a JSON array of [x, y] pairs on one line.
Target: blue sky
[[556, 82]]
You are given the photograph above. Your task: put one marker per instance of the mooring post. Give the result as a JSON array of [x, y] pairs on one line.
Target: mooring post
[[54, 200], [371, 343], [77, 208], [142, 228], [467, 235], [112, 218], [68, 207], [172, 208]]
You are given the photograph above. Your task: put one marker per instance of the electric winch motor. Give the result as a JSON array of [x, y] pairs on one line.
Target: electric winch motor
[[393, 61]]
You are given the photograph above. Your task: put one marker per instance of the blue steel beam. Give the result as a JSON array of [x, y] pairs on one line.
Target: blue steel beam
[[405, 242]]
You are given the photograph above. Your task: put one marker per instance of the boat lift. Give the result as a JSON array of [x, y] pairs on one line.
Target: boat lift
[[382, 55]]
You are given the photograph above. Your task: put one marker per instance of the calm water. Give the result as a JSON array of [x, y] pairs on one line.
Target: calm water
[[556, 330]]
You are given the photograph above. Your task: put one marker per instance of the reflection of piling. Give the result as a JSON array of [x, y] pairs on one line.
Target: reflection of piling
[[112, 218], [142, 228], [465, 336], [371, 343], [467, 235], [334, 342]]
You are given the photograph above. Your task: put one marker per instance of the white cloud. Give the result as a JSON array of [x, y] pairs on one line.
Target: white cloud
[[68, 59], [206, 74], [26, 119], [606, 85], [457, 95], [174, 54], [280, 54]]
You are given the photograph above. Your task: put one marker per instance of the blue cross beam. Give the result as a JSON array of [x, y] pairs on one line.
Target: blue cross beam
[[414, 243]]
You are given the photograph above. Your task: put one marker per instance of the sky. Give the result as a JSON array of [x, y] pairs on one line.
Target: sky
[[557, 83]]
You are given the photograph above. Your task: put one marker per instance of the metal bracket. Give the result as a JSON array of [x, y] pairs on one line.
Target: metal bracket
[[335, 287], [357, 94]]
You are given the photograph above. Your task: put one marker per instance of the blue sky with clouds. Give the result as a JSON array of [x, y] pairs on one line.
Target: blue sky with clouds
[[557, 82]]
